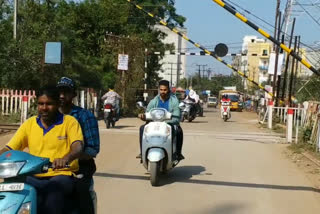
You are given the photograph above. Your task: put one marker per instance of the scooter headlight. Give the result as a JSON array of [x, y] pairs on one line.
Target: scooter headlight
[[158, 114], [25, 208], [10, 169]]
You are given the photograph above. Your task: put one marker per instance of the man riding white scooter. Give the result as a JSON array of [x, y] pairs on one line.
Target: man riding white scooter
[[225, 107], [169, 102]]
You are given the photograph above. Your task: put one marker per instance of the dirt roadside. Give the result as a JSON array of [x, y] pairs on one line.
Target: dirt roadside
[[307, 162]]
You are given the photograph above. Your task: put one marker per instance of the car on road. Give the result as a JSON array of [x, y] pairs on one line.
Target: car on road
[[212, 102]]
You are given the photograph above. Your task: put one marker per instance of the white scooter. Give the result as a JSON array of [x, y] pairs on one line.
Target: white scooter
[[158, 153], [225, 111]]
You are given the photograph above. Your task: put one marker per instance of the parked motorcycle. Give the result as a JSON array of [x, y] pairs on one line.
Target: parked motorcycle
[[109, 115], [159, 141], [15, 195], [188, 110], [225, 111]]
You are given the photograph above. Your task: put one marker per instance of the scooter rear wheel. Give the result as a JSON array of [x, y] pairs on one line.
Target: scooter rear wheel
[[108, 124]]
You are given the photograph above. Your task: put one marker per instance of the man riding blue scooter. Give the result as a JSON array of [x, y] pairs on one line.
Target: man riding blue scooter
[[57, 137]]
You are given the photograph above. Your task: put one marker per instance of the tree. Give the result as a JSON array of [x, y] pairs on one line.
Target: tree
[[90, 55]]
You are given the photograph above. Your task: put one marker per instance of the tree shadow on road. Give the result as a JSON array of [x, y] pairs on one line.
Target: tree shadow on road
[[185, 174], [123, 127], [225, 208]]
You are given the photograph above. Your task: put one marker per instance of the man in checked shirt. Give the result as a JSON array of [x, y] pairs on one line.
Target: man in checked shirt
[[89, 126]]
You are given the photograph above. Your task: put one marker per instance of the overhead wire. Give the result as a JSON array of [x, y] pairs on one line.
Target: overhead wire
[[247, 11], [175, 30]]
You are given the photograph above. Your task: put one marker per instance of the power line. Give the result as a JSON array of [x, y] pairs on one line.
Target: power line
[[308, 13], [287, 36]]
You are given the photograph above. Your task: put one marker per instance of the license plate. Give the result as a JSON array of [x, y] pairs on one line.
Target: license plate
[[107, 110], [11, 187]]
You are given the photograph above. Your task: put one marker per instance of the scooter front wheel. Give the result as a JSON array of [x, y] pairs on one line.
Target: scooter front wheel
[[154, 173], [225, 118]]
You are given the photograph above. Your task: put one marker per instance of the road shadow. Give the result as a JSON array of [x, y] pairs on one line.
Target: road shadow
[[197, 122], [181, 174], [123, 127], [225, 208], [179, 177]]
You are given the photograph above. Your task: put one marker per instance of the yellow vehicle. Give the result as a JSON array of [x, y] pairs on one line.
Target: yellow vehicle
[[234, 96]]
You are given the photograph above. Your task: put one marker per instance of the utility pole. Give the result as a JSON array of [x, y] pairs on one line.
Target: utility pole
[[285, 88], [279, 77], [275, 34], [145, 95], [15, 19], [171, 68], [199, 71], [171, 75], [297, 67], [275, 74], [276, 22], [292, 71]]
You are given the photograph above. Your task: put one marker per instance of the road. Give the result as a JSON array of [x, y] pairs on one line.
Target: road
[[230, 167]]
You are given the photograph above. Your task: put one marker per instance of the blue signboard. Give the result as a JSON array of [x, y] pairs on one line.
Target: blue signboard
[[53, 53]]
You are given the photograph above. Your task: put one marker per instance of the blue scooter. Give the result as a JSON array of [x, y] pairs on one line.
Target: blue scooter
[[17, 197]]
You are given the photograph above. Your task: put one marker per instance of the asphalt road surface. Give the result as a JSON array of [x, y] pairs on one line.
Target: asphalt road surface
[[230, 167]]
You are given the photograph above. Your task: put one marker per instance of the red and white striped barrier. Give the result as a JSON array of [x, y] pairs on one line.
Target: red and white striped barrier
[[289, 125], [270, 109]]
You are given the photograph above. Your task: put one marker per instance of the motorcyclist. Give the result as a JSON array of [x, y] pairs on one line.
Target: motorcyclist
[[113, 98], [170, 102], [58, 137], [225, 98], [194, 97], [90, 129]]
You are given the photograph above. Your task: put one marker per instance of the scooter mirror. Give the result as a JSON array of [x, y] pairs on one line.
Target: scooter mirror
[[182, 105], [140, 104]]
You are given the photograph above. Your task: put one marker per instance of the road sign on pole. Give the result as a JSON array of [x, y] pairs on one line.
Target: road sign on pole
[[123, 60]]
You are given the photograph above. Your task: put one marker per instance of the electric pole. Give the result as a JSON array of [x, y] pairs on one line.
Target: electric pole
[[15, 19]]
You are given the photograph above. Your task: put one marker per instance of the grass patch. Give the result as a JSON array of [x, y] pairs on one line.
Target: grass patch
[[10, 119]]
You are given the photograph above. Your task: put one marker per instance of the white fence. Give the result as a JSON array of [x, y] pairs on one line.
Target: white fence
[[306, 117], [11, 101], [299, 115]]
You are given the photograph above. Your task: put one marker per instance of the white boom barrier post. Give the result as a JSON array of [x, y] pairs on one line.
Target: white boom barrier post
[[24, 109], [82, 99], [95, 104], [289, 125], [270, 106]]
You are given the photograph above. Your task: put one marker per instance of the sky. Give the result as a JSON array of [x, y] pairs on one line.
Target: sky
[[209, 24]]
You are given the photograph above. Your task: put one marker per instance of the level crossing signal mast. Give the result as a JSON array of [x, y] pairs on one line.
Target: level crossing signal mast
[[265, 34], [213, 54]]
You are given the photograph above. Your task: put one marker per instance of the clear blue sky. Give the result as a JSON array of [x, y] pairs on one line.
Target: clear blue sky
[[209, 24]]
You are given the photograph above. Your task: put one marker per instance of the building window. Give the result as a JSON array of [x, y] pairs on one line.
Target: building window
[[265, 52]]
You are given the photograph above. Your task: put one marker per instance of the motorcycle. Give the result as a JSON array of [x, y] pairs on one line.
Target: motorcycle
[[188, 110], [225, 111], [158, 144], [15, 195], [109, 115]]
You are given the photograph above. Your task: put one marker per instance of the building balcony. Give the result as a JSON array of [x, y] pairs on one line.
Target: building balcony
[[263, 67]]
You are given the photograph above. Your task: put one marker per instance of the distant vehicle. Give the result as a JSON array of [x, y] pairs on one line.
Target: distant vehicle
[[234, 96], [232, 88], [212, 102]]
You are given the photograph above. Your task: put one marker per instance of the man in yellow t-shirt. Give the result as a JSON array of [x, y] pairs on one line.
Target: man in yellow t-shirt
[[55, 136]]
